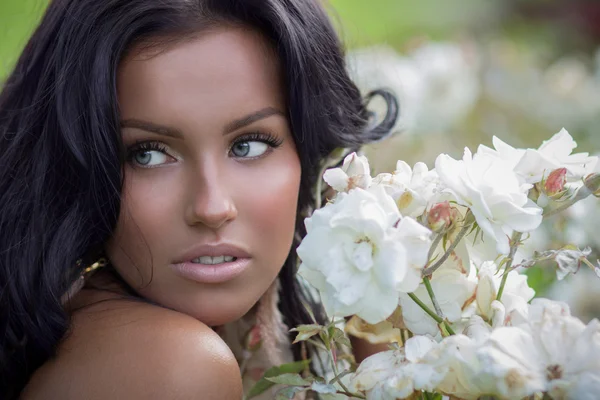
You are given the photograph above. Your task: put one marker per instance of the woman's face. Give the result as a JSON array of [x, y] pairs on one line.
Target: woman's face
[[212, 179]]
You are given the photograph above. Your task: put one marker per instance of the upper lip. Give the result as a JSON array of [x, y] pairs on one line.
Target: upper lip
[[213, 250]]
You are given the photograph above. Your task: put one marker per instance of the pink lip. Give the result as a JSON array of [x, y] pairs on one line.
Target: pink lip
[[211, 273], [213, 250], [219, 273]]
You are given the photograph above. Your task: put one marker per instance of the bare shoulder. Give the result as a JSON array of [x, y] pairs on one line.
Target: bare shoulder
[[123, 349]]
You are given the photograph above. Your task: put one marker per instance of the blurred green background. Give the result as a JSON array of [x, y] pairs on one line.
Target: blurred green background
[[566, 23], [464, 70]]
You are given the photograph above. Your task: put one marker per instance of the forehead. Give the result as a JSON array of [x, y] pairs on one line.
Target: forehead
[[216, 76]]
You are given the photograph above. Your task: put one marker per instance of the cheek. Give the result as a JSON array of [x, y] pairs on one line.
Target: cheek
[[274, 200], [147, 213]]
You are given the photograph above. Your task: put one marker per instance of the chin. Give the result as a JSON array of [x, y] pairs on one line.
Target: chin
[[212, 305], [219, 317], [217, 310]]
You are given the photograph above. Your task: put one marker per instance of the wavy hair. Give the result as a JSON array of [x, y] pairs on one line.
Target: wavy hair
[[61, 152]]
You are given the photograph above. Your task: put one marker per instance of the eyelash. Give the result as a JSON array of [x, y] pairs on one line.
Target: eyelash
[[145, 146], [264, 137]]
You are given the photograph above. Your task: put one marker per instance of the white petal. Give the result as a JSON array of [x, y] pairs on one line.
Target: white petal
[[352, 293], [411, 281], [417, 347], [362, 257], [521, 219], [415, 319], [485, 294], [402, 168], [450, 171], [337, 179], [391, 265], [534, 165], [314, 277], [559, 145], [377, 305], [355, 165]]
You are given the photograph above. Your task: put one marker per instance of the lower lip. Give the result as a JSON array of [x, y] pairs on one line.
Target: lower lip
[[205, 273]]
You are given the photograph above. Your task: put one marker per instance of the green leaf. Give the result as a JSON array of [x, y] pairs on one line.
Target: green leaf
[[323, 388], [306, 328], [325, 338], [263, 384], [340, 337], [306, 332], [310, 312], [330, 331], [302, 336], [289, 379]]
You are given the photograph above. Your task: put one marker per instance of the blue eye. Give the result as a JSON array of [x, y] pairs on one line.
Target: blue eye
[[149, 154], [249, 149], [150, 158], [254, 145]]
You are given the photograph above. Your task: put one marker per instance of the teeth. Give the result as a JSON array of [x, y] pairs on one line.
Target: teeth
[[213, 260]]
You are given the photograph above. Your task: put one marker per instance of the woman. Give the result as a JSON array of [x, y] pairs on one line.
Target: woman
[[162, 154]]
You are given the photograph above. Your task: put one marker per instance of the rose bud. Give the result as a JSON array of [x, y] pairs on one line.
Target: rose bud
[[441, 217], [555, 183]]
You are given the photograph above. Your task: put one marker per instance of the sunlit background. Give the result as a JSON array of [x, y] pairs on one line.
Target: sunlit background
[[463, 70]]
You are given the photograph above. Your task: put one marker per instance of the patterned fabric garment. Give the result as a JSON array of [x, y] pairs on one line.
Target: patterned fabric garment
[[259, 341], [244, 339]]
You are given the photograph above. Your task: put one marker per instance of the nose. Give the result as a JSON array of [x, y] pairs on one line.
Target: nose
[[210, 201]]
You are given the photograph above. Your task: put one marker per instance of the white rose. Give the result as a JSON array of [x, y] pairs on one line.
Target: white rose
[[489, 362], [534, 164], [356, 254], [355, 172], [549, 352], [413, 189], [510, 358], [464, 380], [566, 351], [491, 190], [397, 374]]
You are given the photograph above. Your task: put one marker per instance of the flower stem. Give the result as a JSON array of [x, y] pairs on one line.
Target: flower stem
[[336, 373], [432, 314], [430, 270], [515, 241], [436, 305], [434, 246], [425, 308]]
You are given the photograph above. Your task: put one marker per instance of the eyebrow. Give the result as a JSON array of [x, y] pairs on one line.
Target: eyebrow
[[251, 118], [176, 133], [151, 127]]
